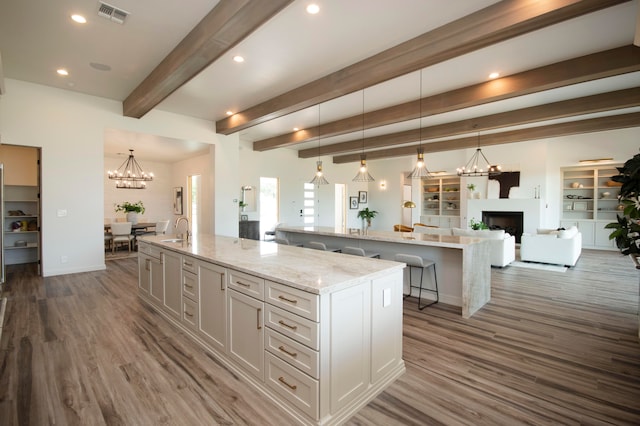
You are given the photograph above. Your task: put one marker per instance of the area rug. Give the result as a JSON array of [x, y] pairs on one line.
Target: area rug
[[541, 266]]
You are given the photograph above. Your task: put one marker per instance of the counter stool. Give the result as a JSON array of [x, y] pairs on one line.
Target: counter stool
[[357, 251], [414, 262], [284, 241], [322, 246]]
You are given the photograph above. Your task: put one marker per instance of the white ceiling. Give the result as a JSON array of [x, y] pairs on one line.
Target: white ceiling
[[293, 48]]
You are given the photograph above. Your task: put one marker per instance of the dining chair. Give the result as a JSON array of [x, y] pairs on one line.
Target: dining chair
[[161, 226], [121, 233]]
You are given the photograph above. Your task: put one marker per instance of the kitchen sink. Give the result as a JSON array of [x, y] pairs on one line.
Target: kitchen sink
[[173, 240]]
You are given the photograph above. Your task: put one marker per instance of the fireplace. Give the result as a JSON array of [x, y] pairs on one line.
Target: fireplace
[[511, 222]]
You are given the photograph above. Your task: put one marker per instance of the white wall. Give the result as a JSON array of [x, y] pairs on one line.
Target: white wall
[[70, 129]]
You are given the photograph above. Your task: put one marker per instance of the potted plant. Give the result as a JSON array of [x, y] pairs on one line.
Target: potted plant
[[131, 209], [476, 226], [626, 230], [366, 215]]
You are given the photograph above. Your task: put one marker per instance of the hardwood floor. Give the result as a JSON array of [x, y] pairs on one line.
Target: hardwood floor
[[550, 348]]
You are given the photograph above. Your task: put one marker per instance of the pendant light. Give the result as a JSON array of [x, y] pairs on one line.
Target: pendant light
[[319, 178], [478, 165], [420, 171], [130, 175], [363, 174]]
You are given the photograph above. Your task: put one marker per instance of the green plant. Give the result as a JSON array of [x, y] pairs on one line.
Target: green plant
[[130, 207], [242, 204], [471, 187], [477, 225], [626, 230], [367, 214]]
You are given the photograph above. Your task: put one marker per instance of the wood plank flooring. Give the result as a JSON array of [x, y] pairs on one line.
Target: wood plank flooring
[[550, 348]]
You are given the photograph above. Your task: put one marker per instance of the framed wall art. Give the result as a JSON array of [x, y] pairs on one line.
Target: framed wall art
[[353, 203], [362, 197], [177, 200]]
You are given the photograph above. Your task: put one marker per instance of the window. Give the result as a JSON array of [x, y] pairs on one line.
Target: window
[[308, 212], [269, 202], [193, 202]]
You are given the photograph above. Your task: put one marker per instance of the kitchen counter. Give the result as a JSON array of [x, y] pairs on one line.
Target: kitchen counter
[[318, 333], [462, 263]]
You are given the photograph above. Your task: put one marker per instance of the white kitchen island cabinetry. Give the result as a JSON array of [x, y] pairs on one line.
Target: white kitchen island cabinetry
[[319, 338]]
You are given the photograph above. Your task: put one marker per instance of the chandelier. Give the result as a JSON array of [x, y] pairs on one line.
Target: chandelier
[[130, 175], [478, 165]]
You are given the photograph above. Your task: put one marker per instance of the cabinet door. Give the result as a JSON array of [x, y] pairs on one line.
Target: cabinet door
[[144, 273], [588, 230], [172, 296], [386, 325], [156, 282], [246, 332], [213, 308], [602, 236]]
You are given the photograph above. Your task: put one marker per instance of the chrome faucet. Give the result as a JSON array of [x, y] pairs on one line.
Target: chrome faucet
[[180, 219]]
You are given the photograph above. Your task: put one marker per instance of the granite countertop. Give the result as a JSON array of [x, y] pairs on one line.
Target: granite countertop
[[445, 241], [306, 269]]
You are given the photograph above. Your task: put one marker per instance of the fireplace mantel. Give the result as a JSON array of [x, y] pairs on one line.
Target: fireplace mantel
[[533, 209]]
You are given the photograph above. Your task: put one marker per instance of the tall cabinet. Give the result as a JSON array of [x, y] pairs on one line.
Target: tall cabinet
[[589, 202], [21, 209], [441, 201]]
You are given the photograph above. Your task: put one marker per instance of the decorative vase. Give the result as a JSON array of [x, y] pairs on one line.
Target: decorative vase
[[470, 194], [132, 217]]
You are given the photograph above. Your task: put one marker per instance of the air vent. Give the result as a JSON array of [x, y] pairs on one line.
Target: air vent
[[111, 12]]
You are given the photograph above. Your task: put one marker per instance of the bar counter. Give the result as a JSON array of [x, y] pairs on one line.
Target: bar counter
[[462, 263]]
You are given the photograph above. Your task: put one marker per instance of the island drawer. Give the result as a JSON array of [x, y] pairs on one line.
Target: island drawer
[[189, 264], [190, 284], [190, 313], [296, 387], [297, 328], [293, 300], [248, 284], [149, 250], [292, 352]]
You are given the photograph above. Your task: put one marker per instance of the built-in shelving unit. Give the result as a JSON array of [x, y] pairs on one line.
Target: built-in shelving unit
[[441, 201], [589, 202], [22, 224]]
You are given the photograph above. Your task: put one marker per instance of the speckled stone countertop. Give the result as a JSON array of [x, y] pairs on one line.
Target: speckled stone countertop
[[306, 269], [445, 241]]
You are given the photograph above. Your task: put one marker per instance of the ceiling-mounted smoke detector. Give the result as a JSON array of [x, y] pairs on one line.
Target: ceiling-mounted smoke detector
[[111, 12]]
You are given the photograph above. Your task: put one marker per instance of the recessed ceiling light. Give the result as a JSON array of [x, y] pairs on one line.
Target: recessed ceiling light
[[79, 19], [313, 8], [229, 112], [494, 75], [62, 71], [238, 58]]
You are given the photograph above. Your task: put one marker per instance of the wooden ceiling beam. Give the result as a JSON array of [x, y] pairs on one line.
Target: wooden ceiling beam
[[493, 24], [577, 70], [599, 124], [228, 23], [625, 98]]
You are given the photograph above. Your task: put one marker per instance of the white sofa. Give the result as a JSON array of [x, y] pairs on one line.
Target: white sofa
[[562, 247], [503, 245]]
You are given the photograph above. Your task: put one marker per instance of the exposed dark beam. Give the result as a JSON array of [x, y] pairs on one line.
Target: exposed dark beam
[[618, 99], [225, 26], [599, 124], [496, 23]]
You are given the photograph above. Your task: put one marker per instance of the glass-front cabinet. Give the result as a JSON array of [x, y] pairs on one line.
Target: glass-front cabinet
[[589, 202], [441, 201]]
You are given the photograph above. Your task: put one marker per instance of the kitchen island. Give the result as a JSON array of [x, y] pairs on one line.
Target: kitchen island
[[463, 263], [318, 336]]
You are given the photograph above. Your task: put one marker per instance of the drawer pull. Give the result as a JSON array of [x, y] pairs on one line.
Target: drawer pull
[[292, 387], [187, 285], [188, 263], [293, 354], [287, 300], [258, 318], [146, 264], [292, 327], [243, 284], [188, 314]]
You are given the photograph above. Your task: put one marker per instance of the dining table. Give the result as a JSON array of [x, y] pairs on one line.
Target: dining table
[[134, 227]]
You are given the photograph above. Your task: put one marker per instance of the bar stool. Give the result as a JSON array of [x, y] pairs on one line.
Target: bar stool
[[284, 241], [418, 262], [321, 246], [357, 251]]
